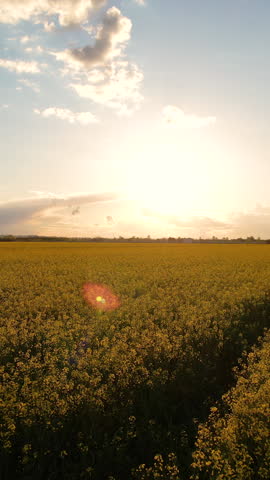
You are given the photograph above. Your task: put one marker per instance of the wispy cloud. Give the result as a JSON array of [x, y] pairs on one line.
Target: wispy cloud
[[118, 88], [174, 116], [19, 211], [34, 50], [109, 220], [68, 12], [253, 222], [75, 211], [205, 223], [83, 118], [193, 222], [25, 39], [142, 3], [20, 66], [27, 83]]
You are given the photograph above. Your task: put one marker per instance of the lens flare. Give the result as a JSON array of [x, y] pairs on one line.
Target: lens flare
[[100, 297]]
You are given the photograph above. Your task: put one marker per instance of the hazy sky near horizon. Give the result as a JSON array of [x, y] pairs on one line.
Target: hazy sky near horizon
[[132, 117]]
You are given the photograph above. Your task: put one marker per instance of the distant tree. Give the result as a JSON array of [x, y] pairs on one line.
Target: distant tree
[[9, 238]]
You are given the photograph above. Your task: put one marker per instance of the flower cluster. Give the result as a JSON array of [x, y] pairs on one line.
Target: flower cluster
[[91, 390]]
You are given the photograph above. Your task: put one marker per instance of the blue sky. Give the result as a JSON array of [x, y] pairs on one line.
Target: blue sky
[[135, 118]]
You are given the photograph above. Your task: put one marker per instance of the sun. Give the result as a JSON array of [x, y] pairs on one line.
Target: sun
[[176, 175], [164, 180]]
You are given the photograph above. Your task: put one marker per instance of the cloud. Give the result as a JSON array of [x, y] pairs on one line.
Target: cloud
[[20, 66], [19, 211], [102, 73], [174, 116], [83, 118], [75, 211], [99, 71], [27, 83], [49, 26], [118, 87], [112, 35], [109, 220], [255, 222], [205, 223], [34, 50], [68, 12], [140, 2], [194, 222], [25, 39]]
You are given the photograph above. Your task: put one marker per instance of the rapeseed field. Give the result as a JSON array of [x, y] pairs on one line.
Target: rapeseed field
[[134, 361]]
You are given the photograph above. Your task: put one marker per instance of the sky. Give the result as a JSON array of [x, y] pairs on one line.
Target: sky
[[135, 118]]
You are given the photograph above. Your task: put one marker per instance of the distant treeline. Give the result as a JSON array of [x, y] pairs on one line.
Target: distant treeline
[[148, 239]]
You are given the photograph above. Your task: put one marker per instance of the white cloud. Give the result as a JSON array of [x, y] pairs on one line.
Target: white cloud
[[69, 12], [34, 50], [102, 73], [111, 38], [118, 88], [49, 26], [99, 71], [25, 39], [140, 2], [27, 83], [20, 66], [174, 116], [83, 118]]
